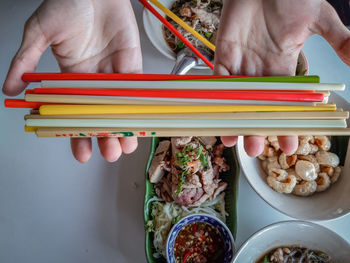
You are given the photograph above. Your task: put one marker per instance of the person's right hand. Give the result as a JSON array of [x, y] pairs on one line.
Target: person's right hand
[[85, 36], [264, 37]]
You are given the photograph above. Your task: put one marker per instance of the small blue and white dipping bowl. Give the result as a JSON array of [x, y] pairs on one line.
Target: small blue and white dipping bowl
[[225, 234]]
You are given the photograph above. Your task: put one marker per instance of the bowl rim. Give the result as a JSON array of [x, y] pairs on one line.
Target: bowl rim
[[336, 217], [281, 223], [232, 240]]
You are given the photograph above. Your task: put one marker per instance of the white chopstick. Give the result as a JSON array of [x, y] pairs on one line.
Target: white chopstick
[[185, 123], [210, 85], [87, 99]]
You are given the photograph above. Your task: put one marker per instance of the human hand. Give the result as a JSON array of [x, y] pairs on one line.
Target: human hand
[[265, 38], [85, 36]]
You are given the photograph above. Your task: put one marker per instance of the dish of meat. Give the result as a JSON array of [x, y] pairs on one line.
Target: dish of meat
[[168, 45], [189, 175], [203, 16], [311, 169], [327, 205]]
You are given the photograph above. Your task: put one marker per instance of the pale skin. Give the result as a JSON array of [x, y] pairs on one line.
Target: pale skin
[[102, 36], [264, 37], [85, 36]]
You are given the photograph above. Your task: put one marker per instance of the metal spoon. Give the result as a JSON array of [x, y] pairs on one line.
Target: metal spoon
[[186, 60]]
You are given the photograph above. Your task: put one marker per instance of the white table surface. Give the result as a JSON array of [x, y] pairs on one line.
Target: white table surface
[[54, 209]]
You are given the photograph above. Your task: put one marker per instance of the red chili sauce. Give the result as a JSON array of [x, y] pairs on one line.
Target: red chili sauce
[[199, 243]]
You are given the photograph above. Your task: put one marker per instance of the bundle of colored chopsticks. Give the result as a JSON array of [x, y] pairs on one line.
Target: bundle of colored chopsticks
[[100, 105]]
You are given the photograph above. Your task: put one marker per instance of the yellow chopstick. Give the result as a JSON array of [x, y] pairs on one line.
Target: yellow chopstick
[[183, 24], [142, 109]]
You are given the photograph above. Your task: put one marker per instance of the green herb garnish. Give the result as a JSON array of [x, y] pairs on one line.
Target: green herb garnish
[[204, 160], [180, 45], [208, 35], [188, 148], [266, 259], [203, 157], [181, 181], [183, 159], [175, 219]]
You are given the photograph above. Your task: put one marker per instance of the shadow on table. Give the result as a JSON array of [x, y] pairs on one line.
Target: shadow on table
[[122, 191]]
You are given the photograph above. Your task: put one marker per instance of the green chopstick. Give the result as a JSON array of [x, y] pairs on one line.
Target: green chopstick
[[285, 79]]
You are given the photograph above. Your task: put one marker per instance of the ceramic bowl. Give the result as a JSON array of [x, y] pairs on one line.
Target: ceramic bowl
[[327, 205], [289, 233], [215, 222], [154, 30]]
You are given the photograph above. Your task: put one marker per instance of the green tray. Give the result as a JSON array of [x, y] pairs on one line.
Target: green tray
[[231, 195]]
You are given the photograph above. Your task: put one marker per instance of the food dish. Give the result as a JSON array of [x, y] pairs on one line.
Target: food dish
[[311, 169], [203, 16], [152, 203], [294, 253], [327, 205], [216, 243], [289, 233], [154, 31]]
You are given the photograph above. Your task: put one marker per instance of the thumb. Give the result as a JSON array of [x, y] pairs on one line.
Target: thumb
[[34, 43], [329, 26]]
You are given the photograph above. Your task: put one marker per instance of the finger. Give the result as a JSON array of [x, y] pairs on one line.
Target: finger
[[254, 145], [229, 141], [110, 148], [128, 144], [81, 149], [288, 144], [329, 26], [27, 57]]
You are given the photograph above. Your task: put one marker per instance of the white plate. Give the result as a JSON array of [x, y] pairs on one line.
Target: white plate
[[286, 233], [331, 204]]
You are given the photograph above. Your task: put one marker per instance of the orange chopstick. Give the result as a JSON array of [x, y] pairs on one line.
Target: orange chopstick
[[15, 103]]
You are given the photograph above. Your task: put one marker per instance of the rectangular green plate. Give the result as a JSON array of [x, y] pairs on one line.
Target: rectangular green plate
[[231, 195]]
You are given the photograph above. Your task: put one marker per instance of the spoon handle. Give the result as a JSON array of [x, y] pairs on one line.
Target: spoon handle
[[183, 65]]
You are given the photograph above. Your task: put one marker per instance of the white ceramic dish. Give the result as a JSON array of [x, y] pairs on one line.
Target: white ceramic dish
[[154, 30], [221, 227], [331, 204], [286, 233]]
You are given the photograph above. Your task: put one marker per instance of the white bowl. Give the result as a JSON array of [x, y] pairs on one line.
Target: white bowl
[[330, 204], [286, 233], [154, 30]]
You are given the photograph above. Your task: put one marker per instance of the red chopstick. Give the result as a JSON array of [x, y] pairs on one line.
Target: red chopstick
[[15, 103], [190, 94], [37, 77], [172, 29]]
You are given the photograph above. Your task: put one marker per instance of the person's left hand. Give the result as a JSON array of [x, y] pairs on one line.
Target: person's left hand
[[259, 38]]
